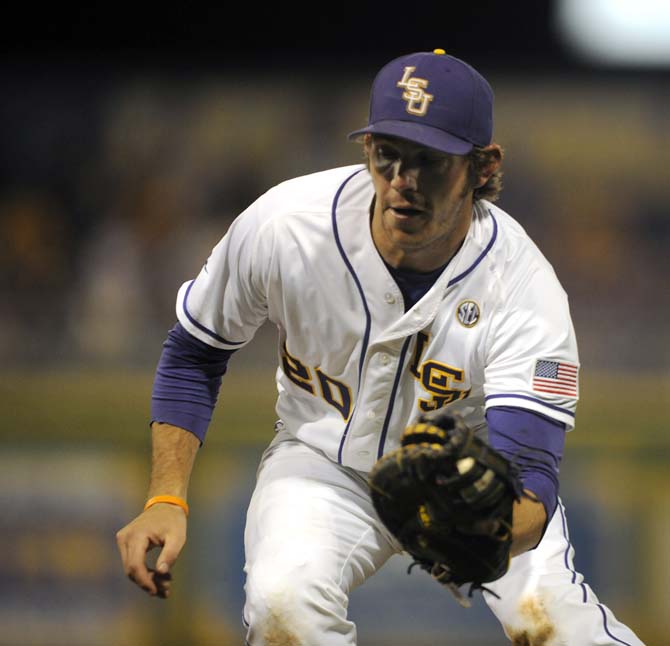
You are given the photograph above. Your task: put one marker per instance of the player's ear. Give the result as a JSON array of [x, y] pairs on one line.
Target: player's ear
[[367, 143], [490, 159]]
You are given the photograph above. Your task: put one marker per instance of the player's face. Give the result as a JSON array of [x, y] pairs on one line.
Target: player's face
[[423, 204]]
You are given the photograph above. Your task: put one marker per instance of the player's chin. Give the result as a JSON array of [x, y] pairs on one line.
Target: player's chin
[[408, 234]]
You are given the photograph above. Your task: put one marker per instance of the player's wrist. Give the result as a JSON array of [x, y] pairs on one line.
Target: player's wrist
[[177, 501]]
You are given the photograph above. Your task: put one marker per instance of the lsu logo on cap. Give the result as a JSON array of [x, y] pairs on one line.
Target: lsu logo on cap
[[417, 99]]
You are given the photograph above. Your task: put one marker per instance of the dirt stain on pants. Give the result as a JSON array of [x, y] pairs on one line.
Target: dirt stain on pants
[[277, 633], [539, 629]]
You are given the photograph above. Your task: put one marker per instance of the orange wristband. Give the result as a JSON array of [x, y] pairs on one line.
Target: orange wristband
[[171, 500]]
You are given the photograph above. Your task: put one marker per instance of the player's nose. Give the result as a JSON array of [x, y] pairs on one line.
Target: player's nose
[[405, 176]]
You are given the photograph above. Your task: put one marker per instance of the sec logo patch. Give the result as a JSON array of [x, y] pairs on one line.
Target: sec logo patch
[[467, 313]]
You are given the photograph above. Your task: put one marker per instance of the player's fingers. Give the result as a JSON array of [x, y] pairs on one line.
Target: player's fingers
[[136, 567], [163, 583]]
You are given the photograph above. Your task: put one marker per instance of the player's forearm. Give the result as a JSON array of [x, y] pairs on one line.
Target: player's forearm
[[173, 455], [527, 525]]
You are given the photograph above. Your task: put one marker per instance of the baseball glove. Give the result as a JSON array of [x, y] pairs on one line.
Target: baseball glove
[[447, 496]]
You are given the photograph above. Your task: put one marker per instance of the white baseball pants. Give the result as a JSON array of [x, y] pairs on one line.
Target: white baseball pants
[[312, 536]]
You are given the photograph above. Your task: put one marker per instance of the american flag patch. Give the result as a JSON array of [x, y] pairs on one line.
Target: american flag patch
[[555, 377]]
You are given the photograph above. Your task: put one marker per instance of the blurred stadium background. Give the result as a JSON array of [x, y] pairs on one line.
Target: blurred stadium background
[[130, 138]]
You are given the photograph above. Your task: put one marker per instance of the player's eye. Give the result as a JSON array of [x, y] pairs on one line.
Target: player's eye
[[429, 159], [384, 151], [385, 154]]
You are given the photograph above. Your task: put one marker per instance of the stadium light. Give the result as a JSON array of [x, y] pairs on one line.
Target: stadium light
[[617, 32]]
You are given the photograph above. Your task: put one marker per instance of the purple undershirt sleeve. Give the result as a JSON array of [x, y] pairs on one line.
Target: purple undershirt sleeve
[[187, 381], [535, 443]]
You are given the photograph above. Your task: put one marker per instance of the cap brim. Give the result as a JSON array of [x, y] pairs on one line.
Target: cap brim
[[418, 133]]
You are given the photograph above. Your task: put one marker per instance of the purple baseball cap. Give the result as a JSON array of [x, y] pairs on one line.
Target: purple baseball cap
[[433, 99]]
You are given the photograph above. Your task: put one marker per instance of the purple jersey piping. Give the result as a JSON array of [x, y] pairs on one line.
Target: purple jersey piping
[[200, 326], [567, 551], [574, 576], [462, 275], [368, 318], [616, 639], [389, 410], [532, 399]]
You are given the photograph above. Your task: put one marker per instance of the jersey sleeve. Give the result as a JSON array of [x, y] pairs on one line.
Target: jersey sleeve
[[226, 303], [535, 444], [531, 355], [187, 382]]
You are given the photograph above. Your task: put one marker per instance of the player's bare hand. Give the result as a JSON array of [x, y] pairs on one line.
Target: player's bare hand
[[163, 526]]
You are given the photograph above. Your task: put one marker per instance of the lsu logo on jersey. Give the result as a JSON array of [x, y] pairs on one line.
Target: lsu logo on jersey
[[417, 99], [439, 379]]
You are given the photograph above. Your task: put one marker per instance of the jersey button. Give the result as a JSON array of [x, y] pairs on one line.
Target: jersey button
[[384, 358], [371, 414], [389, 298]]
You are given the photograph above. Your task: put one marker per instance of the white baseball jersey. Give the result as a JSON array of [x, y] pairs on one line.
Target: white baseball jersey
[[354, 368]]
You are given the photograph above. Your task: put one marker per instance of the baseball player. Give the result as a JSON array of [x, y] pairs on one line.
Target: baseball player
[[397, 288]]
